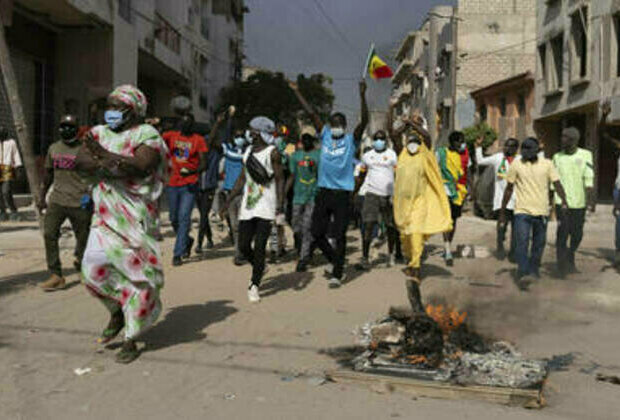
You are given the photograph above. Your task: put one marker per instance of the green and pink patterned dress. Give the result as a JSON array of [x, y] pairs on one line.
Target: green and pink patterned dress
[[122, 263]]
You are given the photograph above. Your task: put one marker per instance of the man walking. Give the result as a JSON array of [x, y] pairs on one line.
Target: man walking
[[451, 167], [262, 184], [336, 181], [303, 179], [10, 163], [576, 170], [188, 154], [378, 174], [70, 199], [531, 178], [501, 164]]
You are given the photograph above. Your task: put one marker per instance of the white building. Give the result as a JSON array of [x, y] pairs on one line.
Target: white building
[[69, 54]]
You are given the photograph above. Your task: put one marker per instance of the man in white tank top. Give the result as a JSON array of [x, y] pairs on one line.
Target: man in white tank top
[[263, 197]]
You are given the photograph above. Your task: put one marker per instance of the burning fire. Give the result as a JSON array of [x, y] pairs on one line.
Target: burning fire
[[448, 319]]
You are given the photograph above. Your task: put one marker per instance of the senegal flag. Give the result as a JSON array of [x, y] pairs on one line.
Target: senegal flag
[[376, 67]]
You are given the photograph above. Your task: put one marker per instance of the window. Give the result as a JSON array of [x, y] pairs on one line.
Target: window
[[579, 44], [124, 9], [542, 62], [204, 19], [556, 73], [483, 113], [166, 33], [502, 106], [203, 97], [521, 105]]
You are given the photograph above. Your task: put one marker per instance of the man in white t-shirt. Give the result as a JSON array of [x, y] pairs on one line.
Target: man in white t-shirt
[[378, 170], [10, 161], [501, 164]]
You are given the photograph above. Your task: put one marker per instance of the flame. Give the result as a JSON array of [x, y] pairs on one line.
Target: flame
[[448, 319]]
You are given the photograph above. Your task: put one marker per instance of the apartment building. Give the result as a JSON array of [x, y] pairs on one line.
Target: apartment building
[[578, 66], [69, 54]]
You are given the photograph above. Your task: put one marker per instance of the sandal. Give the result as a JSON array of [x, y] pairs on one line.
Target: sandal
[[128, 353], [115, 326]]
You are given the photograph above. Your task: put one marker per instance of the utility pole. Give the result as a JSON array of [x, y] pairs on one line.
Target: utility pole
[[454, 65], [432, 78], [25, 145]]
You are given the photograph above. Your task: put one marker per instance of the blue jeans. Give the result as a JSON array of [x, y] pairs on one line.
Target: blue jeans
[[616, 199], [529, 256], [181, 201]]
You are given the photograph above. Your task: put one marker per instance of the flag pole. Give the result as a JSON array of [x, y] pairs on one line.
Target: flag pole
[[365, 71]]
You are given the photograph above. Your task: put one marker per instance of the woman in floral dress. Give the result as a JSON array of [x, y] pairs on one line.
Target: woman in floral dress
[[122, 261]]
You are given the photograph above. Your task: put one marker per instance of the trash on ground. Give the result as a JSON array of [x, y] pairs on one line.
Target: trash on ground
[[615, 380], [82, 371], [317, 381], [229, 396]]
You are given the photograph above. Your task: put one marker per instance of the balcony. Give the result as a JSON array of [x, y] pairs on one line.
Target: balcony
[[403, 72], [405, 46]]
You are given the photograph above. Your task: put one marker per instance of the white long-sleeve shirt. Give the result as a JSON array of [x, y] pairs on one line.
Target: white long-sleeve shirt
[[500, 165]]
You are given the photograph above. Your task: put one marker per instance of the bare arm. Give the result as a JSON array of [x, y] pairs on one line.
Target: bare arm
[[278, 173], [394, 136], [505, 200], [559, 189], [316, 120], [214, 141], [48, 180], [359, 130]]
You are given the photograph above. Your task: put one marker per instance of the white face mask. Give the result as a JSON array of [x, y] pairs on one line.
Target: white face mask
[[248, 137], [337, 132], [413, 148]]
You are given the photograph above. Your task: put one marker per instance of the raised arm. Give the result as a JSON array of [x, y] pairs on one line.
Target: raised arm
[[482, 160], [214, 141], [394, 136], [316, 120], [602, 126], [359, 130], [278, 174]]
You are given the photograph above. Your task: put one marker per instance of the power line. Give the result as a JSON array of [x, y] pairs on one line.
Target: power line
[[334, 26]]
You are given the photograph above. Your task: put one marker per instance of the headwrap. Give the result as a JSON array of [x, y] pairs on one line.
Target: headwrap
[[529, 150], [417, 130], [265, 127], [572, 133], [132, 97]]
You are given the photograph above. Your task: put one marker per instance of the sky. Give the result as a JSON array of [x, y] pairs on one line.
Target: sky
[[293, 36]]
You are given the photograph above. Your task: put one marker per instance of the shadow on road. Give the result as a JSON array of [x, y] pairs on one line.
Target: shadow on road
[[185, 324], [289, 281], [12, 284]]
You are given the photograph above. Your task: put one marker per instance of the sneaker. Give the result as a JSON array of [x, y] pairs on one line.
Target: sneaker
[[198, 250], [253, 295], [55, 282], [15, 217], [364, 265], [188, 252], [177, 261], [210, 244], [524, 283], [239, 261], [335, 283], [302, 267], [449, 259], [391, 261], [329, 270]]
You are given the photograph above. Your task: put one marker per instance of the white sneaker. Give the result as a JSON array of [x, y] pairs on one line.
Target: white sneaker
[[330, 270], [253, 295], [334, 283], [390, 261]]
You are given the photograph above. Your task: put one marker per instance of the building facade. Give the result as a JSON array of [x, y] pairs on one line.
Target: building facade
[[69, 54], [463, 49], [578, 66]]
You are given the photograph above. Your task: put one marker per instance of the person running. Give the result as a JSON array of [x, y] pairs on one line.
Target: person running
[[262, 184], [304, 169], [531, 178], [336, 181], [122, 262], [421, 207], [378, 171], [208, 179], [233, 149], [10, 165], [188, 151], [70, 199], [501, 164], [603, 132], [451, 166], [576, 169]]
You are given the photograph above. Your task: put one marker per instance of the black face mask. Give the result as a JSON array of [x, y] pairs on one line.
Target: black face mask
[[68, 133]]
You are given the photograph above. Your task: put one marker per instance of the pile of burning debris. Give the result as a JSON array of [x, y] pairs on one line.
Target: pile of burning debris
[[438, 345]]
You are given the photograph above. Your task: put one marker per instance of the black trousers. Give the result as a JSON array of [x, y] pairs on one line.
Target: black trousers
[[502, 229], [6, 197], [255, 230], [204, 199], [570, 227], [334, 205]]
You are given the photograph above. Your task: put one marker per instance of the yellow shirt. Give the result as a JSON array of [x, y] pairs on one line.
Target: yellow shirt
[[532, 183], [420, 202]]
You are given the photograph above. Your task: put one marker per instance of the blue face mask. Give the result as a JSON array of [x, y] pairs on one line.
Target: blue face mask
[[239, 142], [379, 145], [114, 118]]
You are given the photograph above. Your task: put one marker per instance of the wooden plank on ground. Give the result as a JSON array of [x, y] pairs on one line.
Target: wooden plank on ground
[[529, 398]]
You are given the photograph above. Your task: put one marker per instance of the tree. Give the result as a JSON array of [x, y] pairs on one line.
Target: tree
[[267, 93], [476, 131]]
